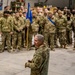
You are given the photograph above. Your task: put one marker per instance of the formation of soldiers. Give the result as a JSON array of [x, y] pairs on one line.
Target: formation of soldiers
[[17, 32]]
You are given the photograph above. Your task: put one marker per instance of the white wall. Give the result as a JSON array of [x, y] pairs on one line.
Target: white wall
[[6, 2]]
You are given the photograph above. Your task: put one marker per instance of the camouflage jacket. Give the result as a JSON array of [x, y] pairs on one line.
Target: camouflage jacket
[[6, 24], [18, 24], [69, 25], [35, 25], [42, 22], [50, 27], [39, 63], [61, 23], [73, 25]]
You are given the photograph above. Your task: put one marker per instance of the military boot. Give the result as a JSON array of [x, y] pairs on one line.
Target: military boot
[[61, 46], [52, 49], [65, 46]]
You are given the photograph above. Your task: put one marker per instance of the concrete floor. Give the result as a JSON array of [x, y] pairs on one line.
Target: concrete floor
[[62, 62]]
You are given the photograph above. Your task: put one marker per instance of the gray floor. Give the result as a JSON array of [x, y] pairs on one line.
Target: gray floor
[[62, 62]]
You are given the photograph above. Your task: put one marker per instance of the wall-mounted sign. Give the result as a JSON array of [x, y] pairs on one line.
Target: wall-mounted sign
[[1, 4]]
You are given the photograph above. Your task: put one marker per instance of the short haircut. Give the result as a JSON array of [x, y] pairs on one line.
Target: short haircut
[[40, 37]]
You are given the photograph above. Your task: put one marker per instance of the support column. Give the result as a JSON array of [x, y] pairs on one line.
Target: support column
[[74, 4], [70, 4]]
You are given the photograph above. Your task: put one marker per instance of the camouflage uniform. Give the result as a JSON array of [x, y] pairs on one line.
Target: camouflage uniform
[[73, 28], [35, 26], [49, 31], [69, 31], [18, 25], [42, 22], [1, 14], [23, 30], [61, 27], [46, 33], [39, 63], [6, 27], [55, 15], [33, 29], [49, 34]]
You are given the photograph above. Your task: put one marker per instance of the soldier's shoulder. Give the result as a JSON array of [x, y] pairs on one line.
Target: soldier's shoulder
[[63, 16], [2, 18]]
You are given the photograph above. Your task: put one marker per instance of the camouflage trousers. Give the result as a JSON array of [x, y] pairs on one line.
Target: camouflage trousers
[[17, 40], [69, 37], [6, 40], [74, 39], [56, 37], [49, 39], [62, 38]]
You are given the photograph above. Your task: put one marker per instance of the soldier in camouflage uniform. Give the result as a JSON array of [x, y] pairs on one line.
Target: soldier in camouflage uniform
[[55, 15], [61, 22], [39, 63], [49, 31], [69, 29], [32, 29], [73, 27], [34, 25], [1, 14], [55, 12], [18, 25], [6, 30], [23, 30], [42, 21]]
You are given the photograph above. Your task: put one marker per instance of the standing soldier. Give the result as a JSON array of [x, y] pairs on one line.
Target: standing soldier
[[73, 26], [61, 22], [23, 30], [34, 25], [55, 9], [49, 31], [65, 10], [1, 14], [69, 29], [40, 62], [6, 30], [46, 12], [42, 21], [17, 34], [55, 14]]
